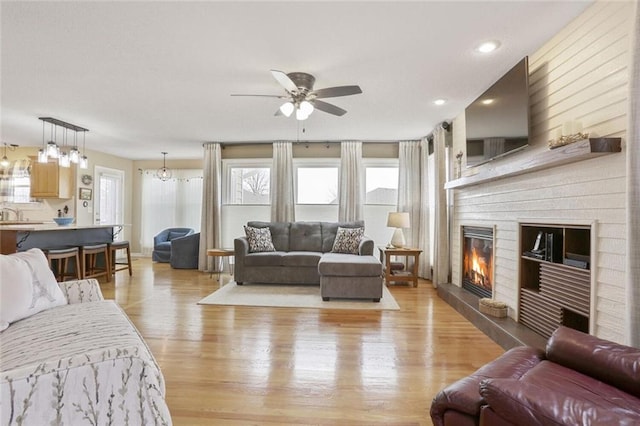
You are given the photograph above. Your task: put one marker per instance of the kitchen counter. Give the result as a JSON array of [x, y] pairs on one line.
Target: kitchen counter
[[46, 226], [20, 237]]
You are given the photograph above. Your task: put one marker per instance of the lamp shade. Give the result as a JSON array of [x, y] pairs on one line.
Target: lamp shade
[[398, 220]]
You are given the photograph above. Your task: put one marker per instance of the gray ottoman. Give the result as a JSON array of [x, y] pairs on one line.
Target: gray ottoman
[[350, 276]]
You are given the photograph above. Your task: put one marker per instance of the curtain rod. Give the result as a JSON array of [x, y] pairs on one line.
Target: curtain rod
[[245, 143]]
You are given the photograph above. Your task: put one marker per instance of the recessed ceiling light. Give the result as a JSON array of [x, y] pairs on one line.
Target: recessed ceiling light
[[440, 101], [487, 101], [488, 46]]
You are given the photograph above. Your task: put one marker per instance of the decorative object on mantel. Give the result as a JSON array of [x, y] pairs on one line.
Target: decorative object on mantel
[[566, 140], [492, 307], [459, 164], [52, 150], [163, 173]]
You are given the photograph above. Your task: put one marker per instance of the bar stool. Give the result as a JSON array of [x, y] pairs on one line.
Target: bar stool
[[113, 248], [89, 257], [61, 257]]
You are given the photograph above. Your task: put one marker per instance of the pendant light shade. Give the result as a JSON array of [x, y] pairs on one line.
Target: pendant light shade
[[163, 173]]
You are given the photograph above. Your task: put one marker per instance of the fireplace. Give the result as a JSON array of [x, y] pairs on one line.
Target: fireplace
[[477, 260]]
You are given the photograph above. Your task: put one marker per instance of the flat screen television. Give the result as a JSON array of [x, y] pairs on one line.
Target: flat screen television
[[497, 123]]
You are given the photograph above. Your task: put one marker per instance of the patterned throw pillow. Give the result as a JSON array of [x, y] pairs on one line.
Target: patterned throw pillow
[[28, 286], [259, 239], [347, 240]]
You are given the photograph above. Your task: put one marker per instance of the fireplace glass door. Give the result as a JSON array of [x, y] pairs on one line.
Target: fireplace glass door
[[477, 260]]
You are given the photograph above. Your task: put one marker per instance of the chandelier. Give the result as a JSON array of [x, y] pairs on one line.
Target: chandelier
[[163, 173], [65, 156]]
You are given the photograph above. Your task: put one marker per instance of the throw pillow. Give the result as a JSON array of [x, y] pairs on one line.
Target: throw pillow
[[28, 286], [259, 239], [348, 240]]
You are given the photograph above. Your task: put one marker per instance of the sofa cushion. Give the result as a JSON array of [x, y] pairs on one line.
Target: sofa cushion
[[330, 229], [305, 236], [267, 258], [347, 240], [550, 394], [279, 233], [27, 287], [259, 239], [349, 265], [610, 362], [301, 258]]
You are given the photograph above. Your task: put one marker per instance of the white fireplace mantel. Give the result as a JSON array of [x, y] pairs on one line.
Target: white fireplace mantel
[[578, 151]]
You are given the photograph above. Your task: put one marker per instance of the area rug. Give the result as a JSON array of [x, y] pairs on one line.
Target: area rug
[[291, 296]]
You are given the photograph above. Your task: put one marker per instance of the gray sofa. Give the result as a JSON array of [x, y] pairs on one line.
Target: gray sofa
[[303, 256]]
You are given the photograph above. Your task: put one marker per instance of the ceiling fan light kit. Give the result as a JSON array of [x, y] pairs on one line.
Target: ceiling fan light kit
[[301, 97]]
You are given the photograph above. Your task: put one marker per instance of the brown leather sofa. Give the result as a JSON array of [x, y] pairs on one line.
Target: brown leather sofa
[[579, 380]]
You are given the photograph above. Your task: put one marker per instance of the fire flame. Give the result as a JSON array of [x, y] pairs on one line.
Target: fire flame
[[479, 270]]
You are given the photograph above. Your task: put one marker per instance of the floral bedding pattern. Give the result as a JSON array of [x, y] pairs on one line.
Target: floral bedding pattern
[[102, 374]]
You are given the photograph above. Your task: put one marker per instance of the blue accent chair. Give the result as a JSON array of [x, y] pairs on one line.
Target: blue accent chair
[[185, 252], [162, 243]]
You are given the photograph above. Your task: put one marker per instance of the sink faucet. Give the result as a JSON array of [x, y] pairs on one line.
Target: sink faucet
[[5, 213]]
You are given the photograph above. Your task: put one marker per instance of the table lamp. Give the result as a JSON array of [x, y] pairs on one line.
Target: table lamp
[[398, 220]]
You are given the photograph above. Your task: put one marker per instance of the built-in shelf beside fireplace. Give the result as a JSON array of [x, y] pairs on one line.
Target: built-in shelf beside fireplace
[[555, 277]]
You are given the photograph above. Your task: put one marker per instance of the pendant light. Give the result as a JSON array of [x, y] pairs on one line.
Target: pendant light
[[84, 161], [5, 161], [52, 146], [163, 173], [74, 154], [63, 157], [42, 152]]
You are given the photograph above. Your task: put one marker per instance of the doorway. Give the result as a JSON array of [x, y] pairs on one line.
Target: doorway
[[109, 198]]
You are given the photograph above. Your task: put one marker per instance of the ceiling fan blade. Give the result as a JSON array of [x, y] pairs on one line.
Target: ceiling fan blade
[[333, 92], [278, 113], [284, 80], [330, 108], [262, 96]]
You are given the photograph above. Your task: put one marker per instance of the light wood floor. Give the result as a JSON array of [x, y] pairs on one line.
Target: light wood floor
[[226, 365]]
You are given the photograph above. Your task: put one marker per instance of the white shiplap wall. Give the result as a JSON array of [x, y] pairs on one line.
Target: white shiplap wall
[[579, 75]]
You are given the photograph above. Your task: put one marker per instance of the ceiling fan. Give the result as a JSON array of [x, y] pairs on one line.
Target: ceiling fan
[[301, 97]]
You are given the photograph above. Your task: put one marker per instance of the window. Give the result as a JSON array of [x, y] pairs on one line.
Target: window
[[247, 183], [15, 183], [381, 184], [316, 185], [176, 202]]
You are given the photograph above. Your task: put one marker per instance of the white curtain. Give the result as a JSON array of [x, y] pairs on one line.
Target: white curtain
[[424, 237], [633, 188], [282, 196], [441, 228], [409, 188], [211, 232], [351, 193], [174, 203]]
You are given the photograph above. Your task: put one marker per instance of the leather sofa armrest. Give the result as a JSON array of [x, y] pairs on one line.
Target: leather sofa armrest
[[80, 291], [464, 395], [526, 404], [366, 247]]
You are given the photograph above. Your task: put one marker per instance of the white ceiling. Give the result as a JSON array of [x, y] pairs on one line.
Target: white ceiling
[[147, 77]]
